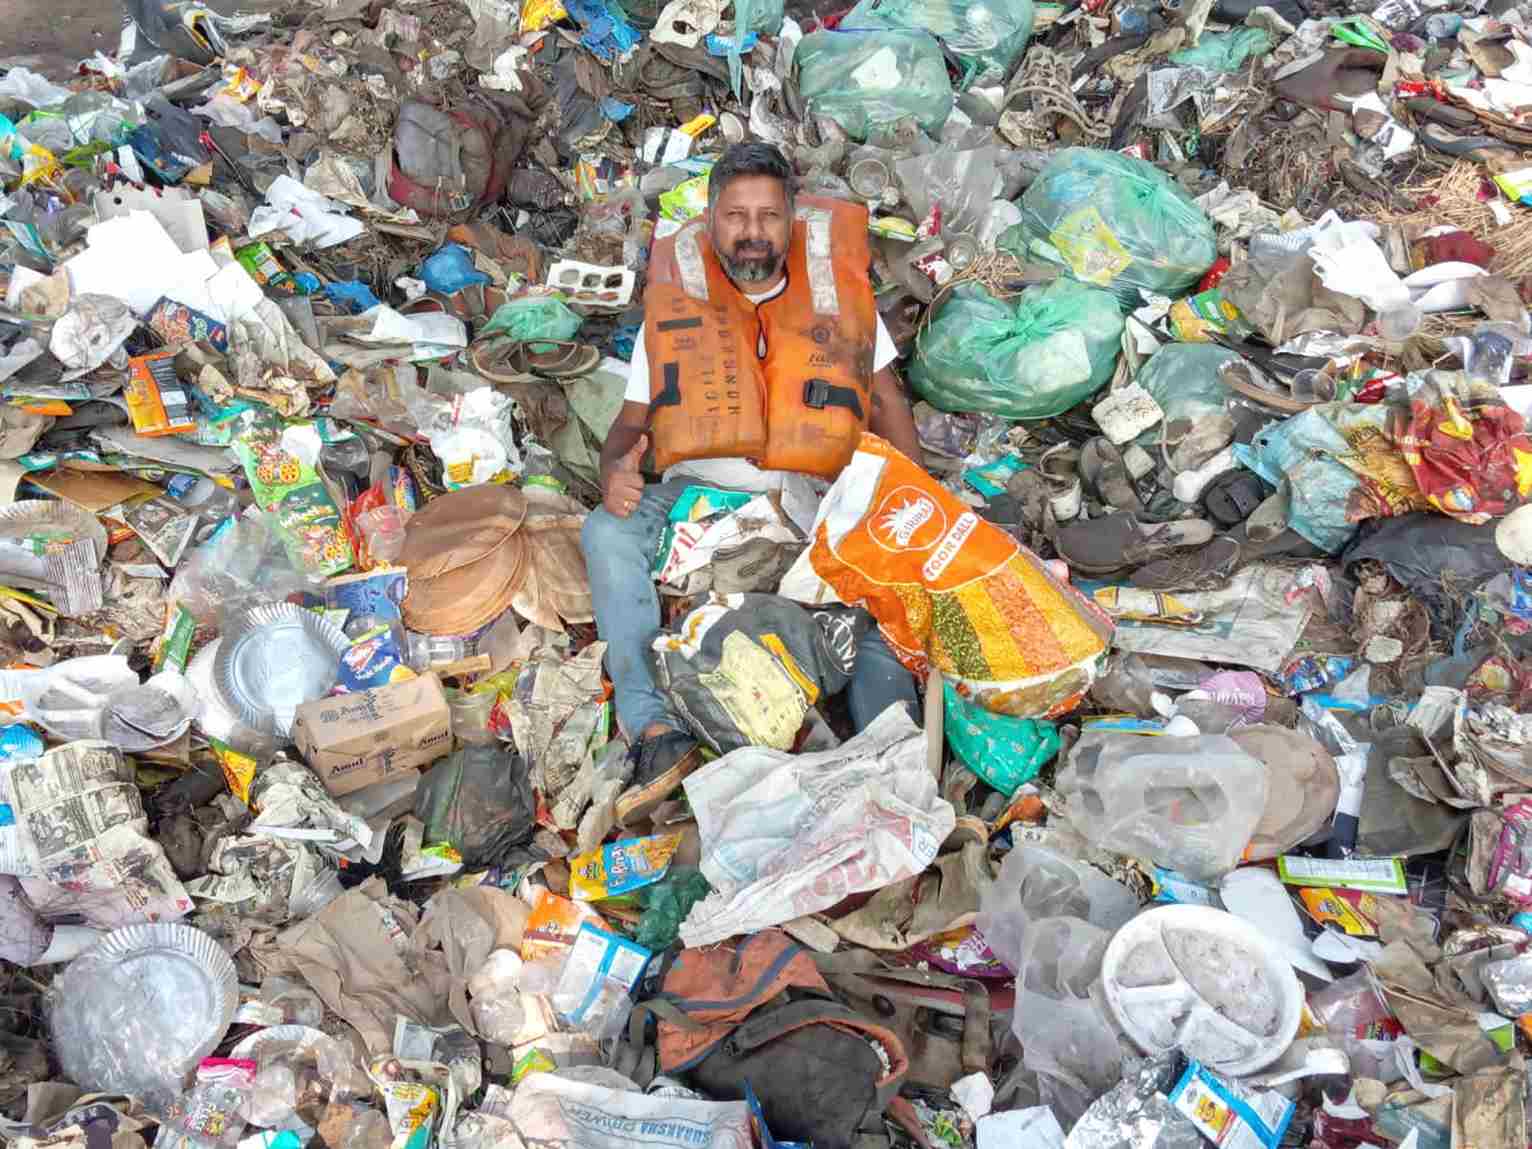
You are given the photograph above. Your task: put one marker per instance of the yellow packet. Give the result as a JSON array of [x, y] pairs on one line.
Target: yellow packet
[[238, 769], [538, 14], [619, 868], [695, 126]]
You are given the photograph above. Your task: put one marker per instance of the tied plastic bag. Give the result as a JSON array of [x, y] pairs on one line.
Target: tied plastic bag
[[1030, 358], [1115, 222], [1188, 804], [950, 589], [988, 34], [863, 80]]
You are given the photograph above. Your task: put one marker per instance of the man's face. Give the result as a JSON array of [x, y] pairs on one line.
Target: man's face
[[750, 226]]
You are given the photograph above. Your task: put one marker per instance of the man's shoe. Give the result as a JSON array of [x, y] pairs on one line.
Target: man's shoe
[[661, 764]]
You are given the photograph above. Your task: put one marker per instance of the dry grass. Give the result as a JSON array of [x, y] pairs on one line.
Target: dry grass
[[1454, 199]]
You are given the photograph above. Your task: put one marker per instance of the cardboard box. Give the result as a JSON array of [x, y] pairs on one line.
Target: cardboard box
[[356, 740]]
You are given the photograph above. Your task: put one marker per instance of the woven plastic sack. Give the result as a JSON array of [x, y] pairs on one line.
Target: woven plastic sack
[[1028, 358], [1113, 221], [951, 590], [987, 34], [864, 79]]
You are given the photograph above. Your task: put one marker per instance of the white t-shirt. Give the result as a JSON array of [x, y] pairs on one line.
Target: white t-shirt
[[735, 474]]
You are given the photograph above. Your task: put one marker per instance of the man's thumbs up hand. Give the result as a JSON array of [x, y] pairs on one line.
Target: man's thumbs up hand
[[624, 485]]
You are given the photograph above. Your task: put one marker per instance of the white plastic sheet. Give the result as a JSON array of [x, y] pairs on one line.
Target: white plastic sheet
[[785, 835]]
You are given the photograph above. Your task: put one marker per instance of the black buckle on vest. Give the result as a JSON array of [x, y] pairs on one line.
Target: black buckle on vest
[[821, 393]]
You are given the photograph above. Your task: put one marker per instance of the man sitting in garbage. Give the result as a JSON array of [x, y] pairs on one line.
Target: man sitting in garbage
[[791, 277]]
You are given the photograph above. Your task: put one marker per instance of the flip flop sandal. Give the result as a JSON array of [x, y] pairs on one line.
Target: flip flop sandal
[[1116, 542], [1287, 545], [1205, 569], [567, 360], [1425, 108], [1232, 497], [1241, 378], [1269, 519], [1102, 468], [1481, 148], [500, 360], [1201, 441]]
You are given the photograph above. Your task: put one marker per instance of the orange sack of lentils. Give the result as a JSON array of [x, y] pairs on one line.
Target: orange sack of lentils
[[952, 591]]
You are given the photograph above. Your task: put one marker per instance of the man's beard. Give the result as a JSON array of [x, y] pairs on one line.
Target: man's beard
[[752, 262]]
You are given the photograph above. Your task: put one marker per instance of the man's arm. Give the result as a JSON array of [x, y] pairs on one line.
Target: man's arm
[[624, 432], [891, 417], [621, 484]]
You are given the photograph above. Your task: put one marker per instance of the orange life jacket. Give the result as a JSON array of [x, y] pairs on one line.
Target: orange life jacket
[[801, 407]]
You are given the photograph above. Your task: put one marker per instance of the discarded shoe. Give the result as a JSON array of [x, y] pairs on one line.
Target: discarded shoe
[[660, 764], [1103, 470], [1116, 542], [1206, 569]]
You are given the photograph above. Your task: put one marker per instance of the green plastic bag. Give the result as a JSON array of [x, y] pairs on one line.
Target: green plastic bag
[[532, 317], [1027, 358], [1224, 51], [865, 79], [1183, 378], [1115, 222], [988, 34], [1002, 750]]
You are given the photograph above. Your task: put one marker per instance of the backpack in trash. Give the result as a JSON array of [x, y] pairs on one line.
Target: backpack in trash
[[447, 162], [954, 591], [760, 1012], [744, 669]]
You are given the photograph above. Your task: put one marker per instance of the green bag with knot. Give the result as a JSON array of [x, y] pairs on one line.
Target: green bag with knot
[[1113, 221], [1031, 357]]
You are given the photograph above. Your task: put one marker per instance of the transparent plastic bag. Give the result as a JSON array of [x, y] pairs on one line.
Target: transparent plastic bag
[[495, 998], [1116, 222], [988, 34], [1188, 804], [1028, 358], [246, 562], [1037, 883], [865, 79], [959, 182], [1061, 1016]]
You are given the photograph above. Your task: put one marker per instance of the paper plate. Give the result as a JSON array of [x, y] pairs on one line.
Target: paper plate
[[142, 1007], [51, 518], [1203, 981], [215, 718], [273, 658]]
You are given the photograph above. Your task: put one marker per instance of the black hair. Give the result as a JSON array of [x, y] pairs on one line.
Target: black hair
[[749, 159]]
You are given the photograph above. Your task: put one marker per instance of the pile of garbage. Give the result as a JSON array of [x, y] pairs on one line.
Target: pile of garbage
[[1208, 816]]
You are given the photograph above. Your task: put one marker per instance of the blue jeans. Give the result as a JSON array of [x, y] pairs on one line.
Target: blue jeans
[[619, 556]]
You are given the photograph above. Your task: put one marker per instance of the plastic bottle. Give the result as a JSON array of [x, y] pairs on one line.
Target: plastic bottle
[[423, 651]]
